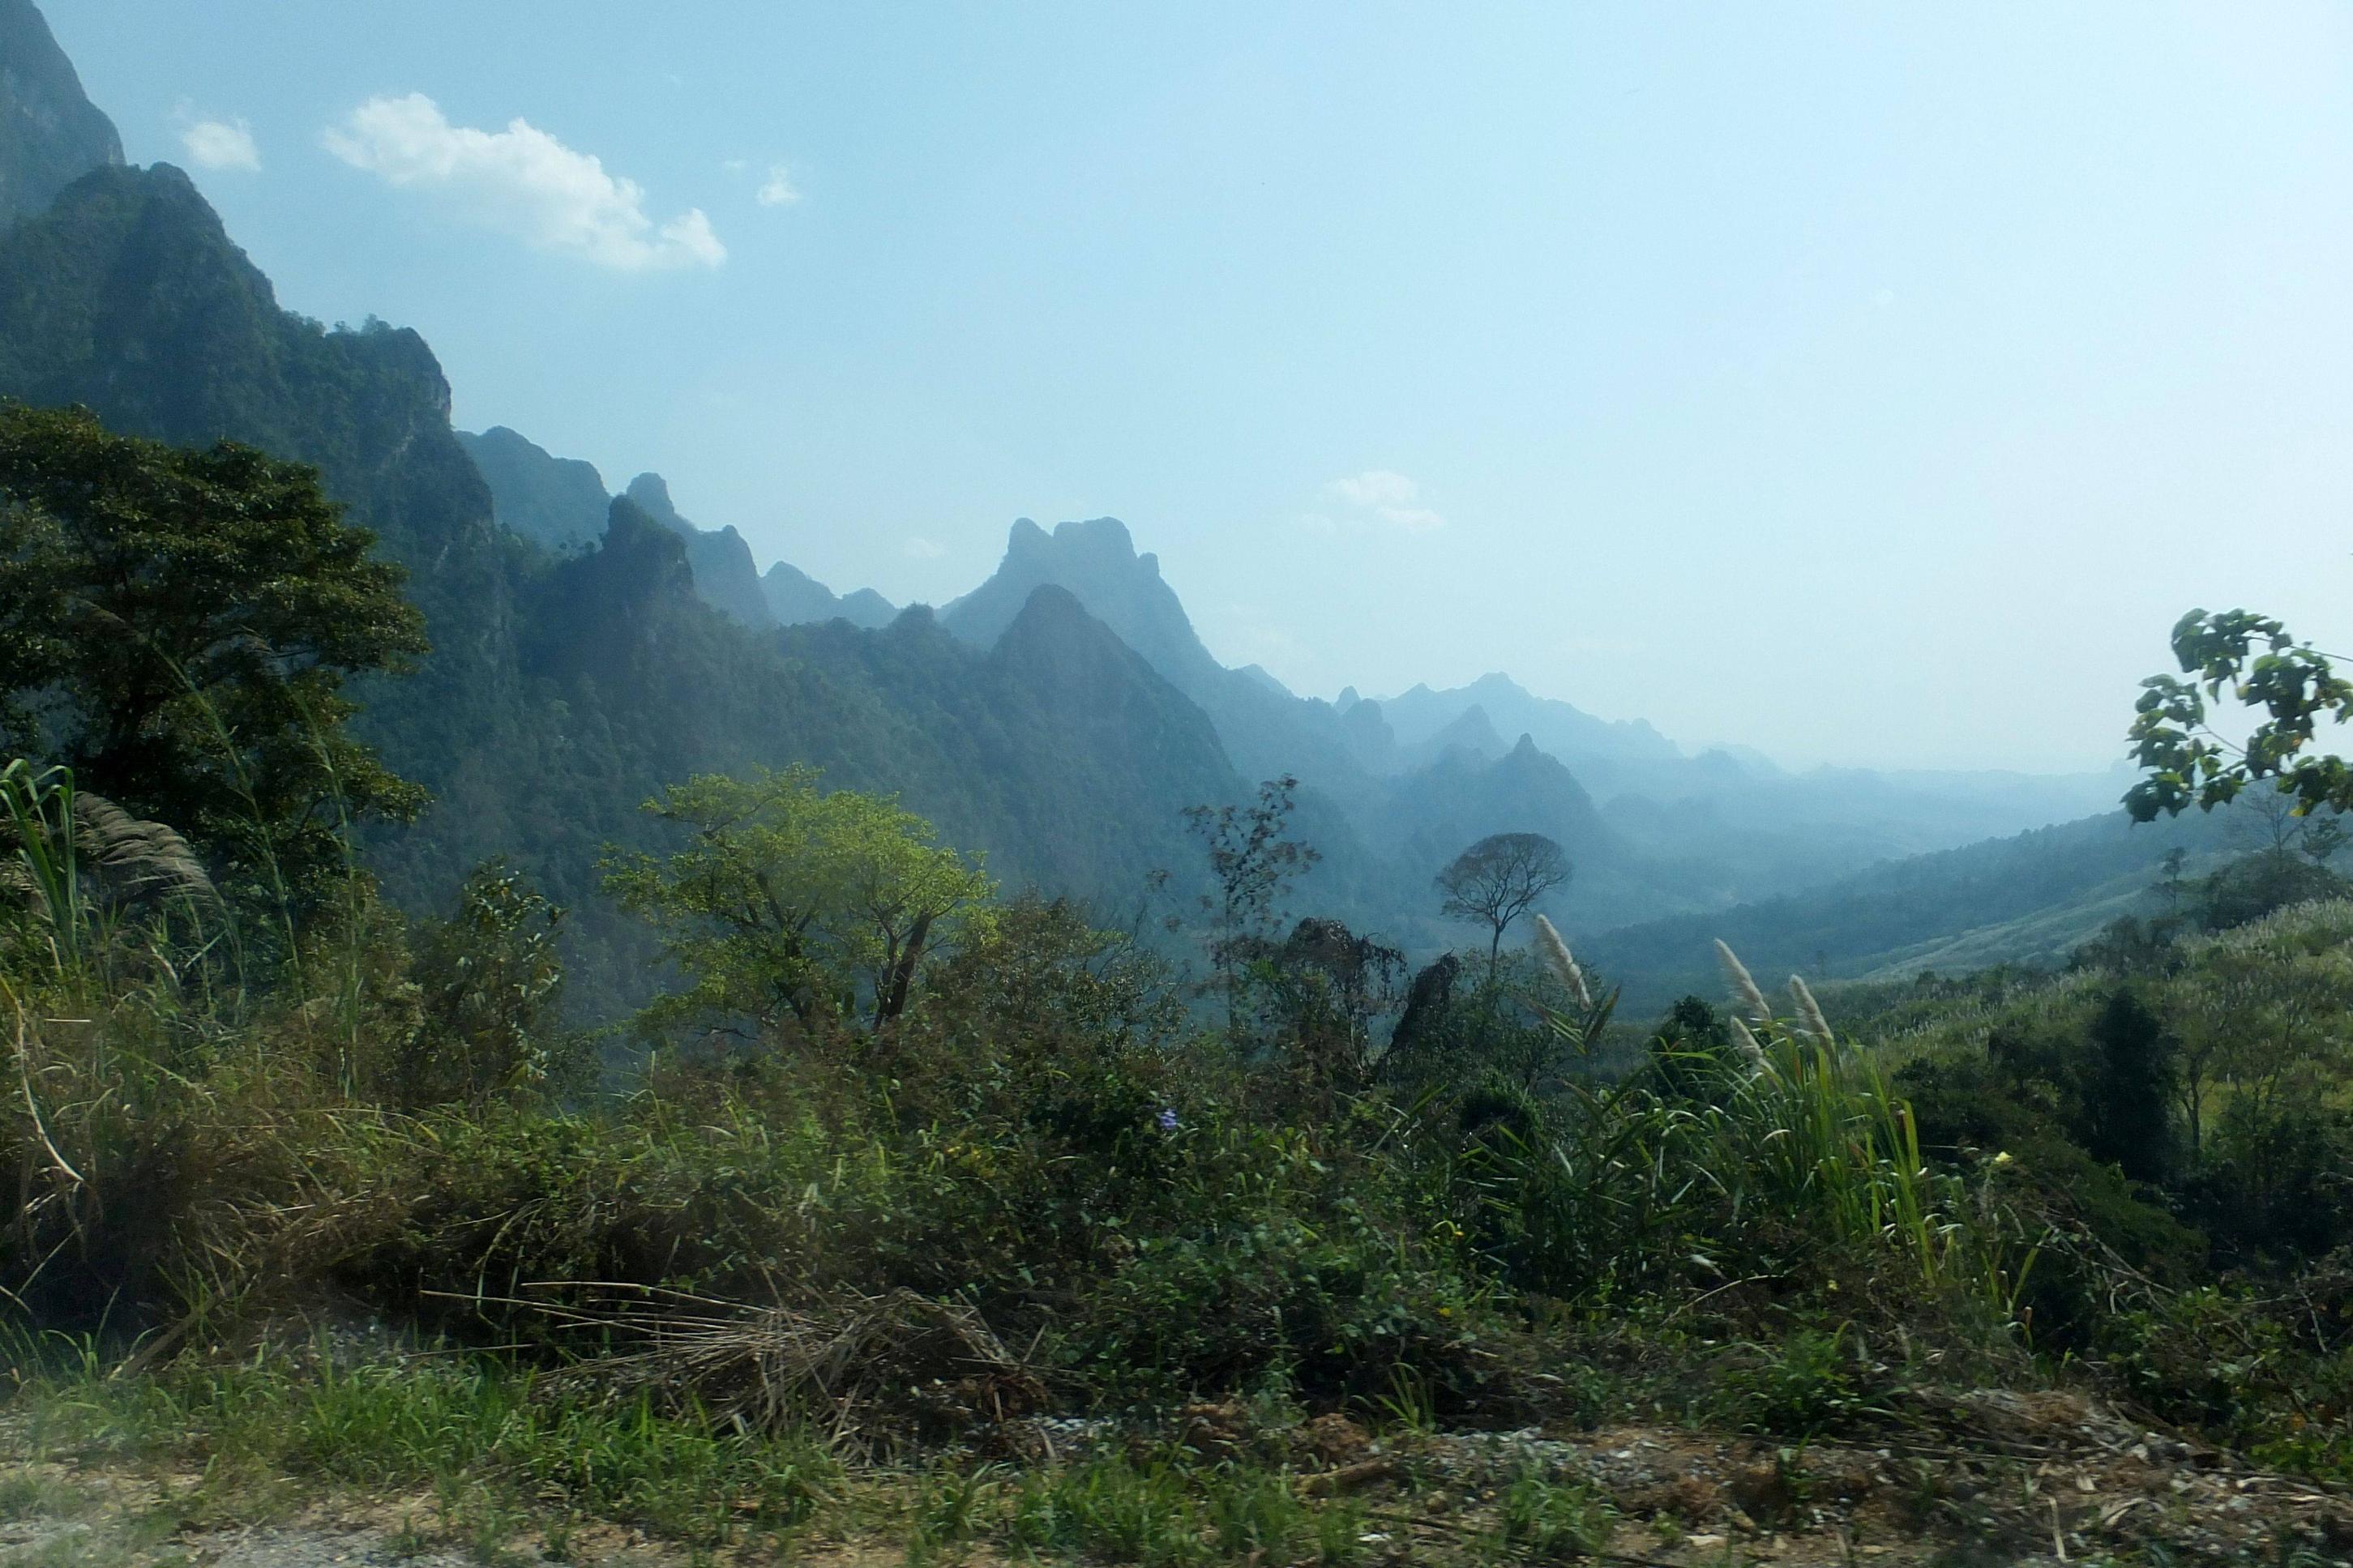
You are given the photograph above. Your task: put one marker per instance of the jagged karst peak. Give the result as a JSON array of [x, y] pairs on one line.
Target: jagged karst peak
[[651, 491], [559, 501], [50, 133], [1096, 560], [1560, 728], [724, 571], [796, 598], [1095, 542], [1475, 725], [1052, 604]]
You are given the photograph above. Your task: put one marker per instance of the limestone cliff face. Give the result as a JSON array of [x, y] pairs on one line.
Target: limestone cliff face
[[51, 135], [559, 501], [724, 573]]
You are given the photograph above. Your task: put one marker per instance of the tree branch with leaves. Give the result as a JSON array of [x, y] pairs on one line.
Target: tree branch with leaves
[[2188, 761]]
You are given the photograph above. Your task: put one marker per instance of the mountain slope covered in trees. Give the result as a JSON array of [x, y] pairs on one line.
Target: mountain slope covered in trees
[[2028, 899], [561, 693], [578, 662]]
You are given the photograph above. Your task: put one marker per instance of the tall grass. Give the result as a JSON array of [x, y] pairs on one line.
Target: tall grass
[[1636, 1189], [41, 815]]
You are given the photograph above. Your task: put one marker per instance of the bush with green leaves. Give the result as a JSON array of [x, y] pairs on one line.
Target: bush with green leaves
[[489, 981], [789, 906]]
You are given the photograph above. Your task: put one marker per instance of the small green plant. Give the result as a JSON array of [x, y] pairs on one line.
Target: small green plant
[[1550, 1521], [1112, 1509], [1407, 1405], [1804, 1387], [951, 1509]]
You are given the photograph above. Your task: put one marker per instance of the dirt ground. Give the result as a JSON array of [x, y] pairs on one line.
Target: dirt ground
[[2008, 1478]]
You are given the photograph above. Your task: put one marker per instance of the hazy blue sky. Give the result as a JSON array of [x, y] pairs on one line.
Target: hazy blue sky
[[1868, 384]]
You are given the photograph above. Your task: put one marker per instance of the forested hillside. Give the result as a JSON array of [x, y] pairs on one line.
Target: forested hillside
[[561, 693], [2029, 899], [529, 1038], [576, 668]]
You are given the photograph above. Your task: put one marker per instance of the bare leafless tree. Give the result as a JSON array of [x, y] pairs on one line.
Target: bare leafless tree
[[1499, 878]]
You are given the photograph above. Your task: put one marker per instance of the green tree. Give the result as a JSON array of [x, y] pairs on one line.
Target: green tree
[[1253, 862], [177, 628], [790, 904], [490, 984], [2171, 884], [2128, 1111], [1687, 1048]]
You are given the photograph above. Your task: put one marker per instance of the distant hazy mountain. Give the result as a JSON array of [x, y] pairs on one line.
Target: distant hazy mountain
[[1096, 562], [1061, 717], [1265, 730], [1692, 833], [559, 501], [796, 598], [1472, 731], [1757, 824], [1568, 732], [50, 134], [1467, 795], [563, 690], [1366, 735]]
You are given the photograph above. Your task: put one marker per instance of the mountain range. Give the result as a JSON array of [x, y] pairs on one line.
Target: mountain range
[[591, 645]]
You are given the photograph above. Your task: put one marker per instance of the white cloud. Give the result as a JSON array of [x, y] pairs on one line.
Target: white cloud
[[778, 189], [523, 182], [925, 550], [1391, 497], [221, 144]]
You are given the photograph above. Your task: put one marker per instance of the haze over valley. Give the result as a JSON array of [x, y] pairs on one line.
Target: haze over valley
[[1258, 785]]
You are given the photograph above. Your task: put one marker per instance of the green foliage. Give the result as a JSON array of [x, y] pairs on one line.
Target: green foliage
[[83, 879], [1165, 1514], [1807, 1386], [1688, 1049], [1252, 862], [1548, 1520], [490, 984], [178, 627], [454, 1425], [1521, 1024], [2293, 684], [2253, 886], [788, 904], [2127, 1117], [1802, 1154], [1321, 993]]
